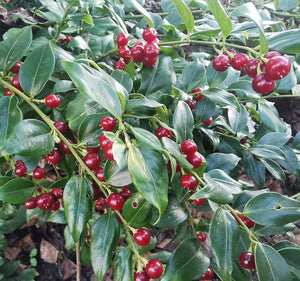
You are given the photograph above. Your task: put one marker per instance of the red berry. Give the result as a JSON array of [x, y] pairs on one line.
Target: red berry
[[208, 121], [149, 62], [57, 193], [61, 126], [230, 51], [249, 223], [120, 64], [100, 173], [116, 201], [104, 140], [191, 104], [262, 85], [55, 206], [39, 173], [127, 59], [16, 68], [188, 182], [54, 157], [108, 123], [126, 192], [251, 67], [93, 149], [189, 147], [108, 151], [142, 237], [169, 166], [8, 92], [122, 39], [196, 94], [194, 159], [243, 140], [97, 191], [30, 203], [52, 101], [149, 34], [163, 132], [277, 68], [239, 61], [16, 83], [141, 276], [137, 53], [92, 160], [64, 148], [19, 162], [124, 51], [247, 260], [201, 236], [68, 39], [62, 40], [151, 50], [44, 201], [221, 63], [101, 202], [208, 275], [154, 269], [272, 54], [20, 170], [199, 202]]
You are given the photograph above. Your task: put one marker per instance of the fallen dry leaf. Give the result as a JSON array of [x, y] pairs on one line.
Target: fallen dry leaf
[[48, 252], [68, 269]]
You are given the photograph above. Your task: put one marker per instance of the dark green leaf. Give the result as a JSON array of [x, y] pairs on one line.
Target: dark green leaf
[[274, 168], [238, 120], [78, 199], [230, 144], [117, 175], [187, 262], [37, 69], [204, 109], [287, 41], [243, 89], [268, 230], [58, 217], [30, 138], [267, 151], [221, 97], [123, 78], [222, 161], [90, 130], [56, 11], [291, 254], [276, 139], [193, 75], [296, 141], [291, 162], [272, 209], [123, 265], [104, 239]]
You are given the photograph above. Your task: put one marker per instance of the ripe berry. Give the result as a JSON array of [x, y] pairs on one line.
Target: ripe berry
[[120, 64], [8, 92], [243, 140], [208, 275], [124, 51], [20, 171], [196, 94], [19, 162], [221, 63], [142, 237], [126, 192], [97, 191], [116, 201], [54, 157], [101, 202], [92, 160], [39, 173], [149, 62], [239, 61], [194, 159], [262, 85], [277, 68], [93, 149], [64, 148], [68, 39], [201, 236], [16, 83], [108, 123], [16, 68], [62, 40], [163, 132], [272, 54], [122, 39], [137, 53], [149, 34], [141, 276], [247, 260], [151, 50], [169, 166], [191, 104], [251, 67], [154, 269], [230, 51], [108, 151], [100, 173], [128, 58], [61, 126], [44, 201], [57, 193], [30, 203], [104, 140], [55, 206], [199, 202], [188, 182], [189, 147], [52, 101], [208, 121]]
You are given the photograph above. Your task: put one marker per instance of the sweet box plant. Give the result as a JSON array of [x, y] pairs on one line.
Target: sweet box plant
[[144, 135]]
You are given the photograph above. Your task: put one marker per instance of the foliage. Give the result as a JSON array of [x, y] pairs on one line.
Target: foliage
[[236, 131]]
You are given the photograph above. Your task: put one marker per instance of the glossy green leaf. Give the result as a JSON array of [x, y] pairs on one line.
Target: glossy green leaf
[[276, 139], [142, 107], [10, 116], [204, 109], [89, 84], [287, 41], [79, 42], [238, 120], [223, 234], [104, 239], [230, 144], [249, 11], [296, 141], [267, 151], [90, 130], [291, 254], [29, 138], [17, 191], [149, 175], [272, 209], [187, 262], [183, 121], [137, 211], [117, 175], [243, 89], [56, 11], [221, 16], [58, 217], [123, 78], [193, 75], [185, 14], [225, 162], [270, 265], [291, 162], [287, 5], [14, 46], [221, 97], [37, 69], [123, 265], [269, 230], [274, 168], [78, 199]]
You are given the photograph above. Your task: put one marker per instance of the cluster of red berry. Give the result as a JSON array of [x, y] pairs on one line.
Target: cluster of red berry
[[15, 81], [21, 170], [248, 222], [141, 51], [274, 65], [66, 39], [154, 269]]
